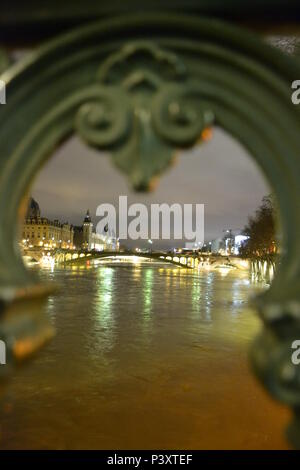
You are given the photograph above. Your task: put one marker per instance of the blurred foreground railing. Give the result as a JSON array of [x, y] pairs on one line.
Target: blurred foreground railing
[[142, 86]]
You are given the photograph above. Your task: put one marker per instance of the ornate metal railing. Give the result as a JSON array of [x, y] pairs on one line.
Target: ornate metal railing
[[141, 86]]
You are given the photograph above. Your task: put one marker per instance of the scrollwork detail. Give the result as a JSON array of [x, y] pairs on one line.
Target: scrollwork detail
[[131, 57], [178, 117], [144, 101], [105, 119]]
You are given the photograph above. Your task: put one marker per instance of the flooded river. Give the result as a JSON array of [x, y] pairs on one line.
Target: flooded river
[[145, 356]]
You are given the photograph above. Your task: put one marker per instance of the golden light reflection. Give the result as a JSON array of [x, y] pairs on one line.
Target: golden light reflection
[[144, 348], [104, 306], [147, 292]]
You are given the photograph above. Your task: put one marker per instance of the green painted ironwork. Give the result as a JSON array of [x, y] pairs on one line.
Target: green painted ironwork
[[4, 60], [141, 87]]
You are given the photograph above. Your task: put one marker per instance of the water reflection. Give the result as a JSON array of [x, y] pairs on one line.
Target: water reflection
[[145, 356], [103, 309]]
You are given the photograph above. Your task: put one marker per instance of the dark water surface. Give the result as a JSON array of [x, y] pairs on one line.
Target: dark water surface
[[144, 356]]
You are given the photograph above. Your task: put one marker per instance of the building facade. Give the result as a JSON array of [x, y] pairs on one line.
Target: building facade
[[38, 231], [86, 238]]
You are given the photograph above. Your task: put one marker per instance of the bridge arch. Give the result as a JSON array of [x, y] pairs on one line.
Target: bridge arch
[[69, 257], [201, 71]]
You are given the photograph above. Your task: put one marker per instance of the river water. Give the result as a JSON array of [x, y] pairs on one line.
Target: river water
[[144, 356]]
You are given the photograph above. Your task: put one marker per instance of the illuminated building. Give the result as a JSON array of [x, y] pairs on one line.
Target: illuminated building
[[238, 242], [228, 245], [87, 238]]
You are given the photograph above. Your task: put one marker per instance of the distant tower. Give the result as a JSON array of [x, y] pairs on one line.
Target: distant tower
[[33, 209], [87, 231]]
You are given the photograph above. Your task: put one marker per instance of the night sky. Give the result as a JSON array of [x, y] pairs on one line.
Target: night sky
[[219, 174]]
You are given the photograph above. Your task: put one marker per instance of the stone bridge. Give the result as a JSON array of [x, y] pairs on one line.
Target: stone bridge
[[187, 260]]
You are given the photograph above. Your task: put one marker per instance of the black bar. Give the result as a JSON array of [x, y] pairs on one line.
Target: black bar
[[155, 458]]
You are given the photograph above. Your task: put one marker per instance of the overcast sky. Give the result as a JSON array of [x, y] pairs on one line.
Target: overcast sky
[[219, 174]]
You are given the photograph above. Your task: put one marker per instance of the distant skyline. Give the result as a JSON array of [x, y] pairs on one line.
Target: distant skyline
[[219, 174]]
